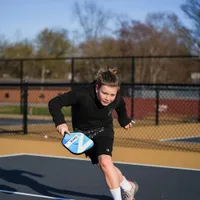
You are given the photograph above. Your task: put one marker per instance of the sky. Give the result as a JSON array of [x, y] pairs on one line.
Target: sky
[[24, 19]]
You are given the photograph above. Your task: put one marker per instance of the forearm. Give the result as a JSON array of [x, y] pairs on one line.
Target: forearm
[[123, 118], [55, 111]]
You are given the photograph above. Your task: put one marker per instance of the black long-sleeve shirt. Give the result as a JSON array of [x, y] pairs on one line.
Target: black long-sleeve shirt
[[87, 112]]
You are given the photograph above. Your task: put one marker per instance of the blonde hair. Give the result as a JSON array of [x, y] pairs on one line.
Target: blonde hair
[[107, 76]]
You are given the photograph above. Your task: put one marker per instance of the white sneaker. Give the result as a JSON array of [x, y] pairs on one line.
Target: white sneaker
[[129, 195]]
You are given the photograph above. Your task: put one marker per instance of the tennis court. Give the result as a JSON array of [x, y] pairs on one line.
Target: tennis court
[[37, 177]]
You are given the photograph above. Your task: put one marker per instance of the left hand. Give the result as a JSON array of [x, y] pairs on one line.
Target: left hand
[[129, 125]]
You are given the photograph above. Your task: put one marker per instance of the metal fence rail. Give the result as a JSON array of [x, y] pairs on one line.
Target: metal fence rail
[[133, 69]]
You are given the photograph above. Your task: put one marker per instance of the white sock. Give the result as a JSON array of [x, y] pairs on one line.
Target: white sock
[[116, 193], [125, 185]]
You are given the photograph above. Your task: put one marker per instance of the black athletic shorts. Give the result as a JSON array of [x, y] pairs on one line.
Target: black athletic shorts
[[102, 145]]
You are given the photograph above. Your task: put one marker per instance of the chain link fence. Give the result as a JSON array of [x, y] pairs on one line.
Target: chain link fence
[[166, 116], [162, 95]]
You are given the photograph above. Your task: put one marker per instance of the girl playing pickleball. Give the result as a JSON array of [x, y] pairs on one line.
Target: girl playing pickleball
[[92, 107]]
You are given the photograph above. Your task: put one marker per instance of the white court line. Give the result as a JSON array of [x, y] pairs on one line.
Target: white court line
[[33, 195], [12, 155], [179, 138], [83, 159]]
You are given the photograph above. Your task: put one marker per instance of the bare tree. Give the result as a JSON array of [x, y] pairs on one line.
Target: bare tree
[[192, 9], [161, 34], [93, 19]]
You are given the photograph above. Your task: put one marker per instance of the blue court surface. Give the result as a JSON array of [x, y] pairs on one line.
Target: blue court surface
[[40, 177]]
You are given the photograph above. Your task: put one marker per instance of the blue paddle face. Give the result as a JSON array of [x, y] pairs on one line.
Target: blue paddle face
[[77, 142]]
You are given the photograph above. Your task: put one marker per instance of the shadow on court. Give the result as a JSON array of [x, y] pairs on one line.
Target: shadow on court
[[80, 180], [20, 177], [5, 187], [26, 179]]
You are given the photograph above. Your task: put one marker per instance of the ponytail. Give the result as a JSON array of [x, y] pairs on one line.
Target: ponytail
[[107, 76]]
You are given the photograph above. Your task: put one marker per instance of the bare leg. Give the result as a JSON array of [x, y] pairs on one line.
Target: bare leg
[[112, 174], [119, 174]]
